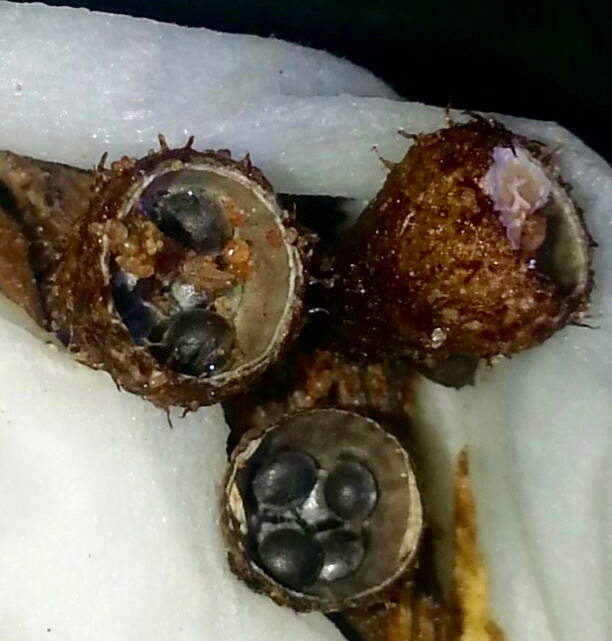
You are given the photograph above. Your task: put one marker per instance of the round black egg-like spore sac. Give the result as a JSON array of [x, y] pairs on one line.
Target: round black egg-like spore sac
[[198, 342], [291, 557], [194, 219], [343, 553], [350, 491], [285, 479]]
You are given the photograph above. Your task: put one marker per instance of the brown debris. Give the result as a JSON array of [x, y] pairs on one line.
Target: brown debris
[[204, 274], [47, 202], [49, 198], [470, 592], [234, 214], [325, 379], [16, 277], [273, 238], [237, 257], [408, 615], [135, 243]]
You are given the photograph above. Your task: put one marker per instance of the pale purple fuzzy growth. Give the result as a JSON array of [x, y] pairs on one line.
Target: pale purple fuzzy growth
[[518, 187]]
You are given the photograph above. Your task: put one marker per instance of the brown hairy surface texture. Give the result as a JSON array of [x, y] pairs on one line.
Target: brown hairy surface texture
[[17, 280], [63, 222], [428, 270]]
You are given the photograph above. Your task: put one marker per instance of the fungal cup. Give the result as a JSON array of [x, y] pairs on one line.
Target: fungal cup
[[473, 248], [346, 557], [191, 270]]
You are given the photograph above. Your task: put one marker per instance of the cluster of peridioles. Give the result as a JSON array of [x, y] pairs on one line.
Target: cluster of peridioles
[[321, 510], [308, 524], [175, 312]]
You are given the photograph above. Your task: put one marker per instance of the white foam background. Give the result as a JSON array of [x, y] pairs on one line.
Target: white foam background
[[109, 518], [86, 470]]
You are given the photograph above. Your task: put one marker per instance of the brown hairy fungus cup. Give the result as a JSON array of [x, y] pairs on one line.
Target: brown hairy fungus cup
[[161, 271], [472, 248]]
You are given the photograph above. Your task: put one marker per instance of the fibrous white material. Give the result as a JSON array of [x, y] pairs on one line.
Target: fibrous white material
[[107, 524], [133, 79], [518, 187]]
